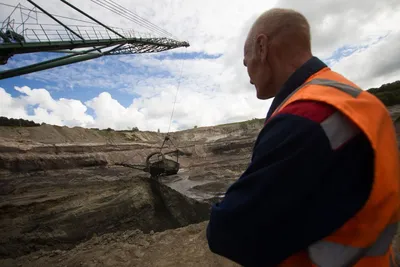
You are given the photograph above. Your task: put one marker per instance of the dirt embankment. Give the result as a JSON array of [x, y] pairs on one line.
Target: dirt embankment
[[59, 209], [181, 247], [53, 147], [63, 202], [50, 134], [61, 194]]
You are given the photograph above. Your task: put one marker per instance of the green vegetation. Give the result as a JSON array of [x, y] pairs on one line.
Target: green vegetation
[[388, 93], [4, 121], [244, 125]]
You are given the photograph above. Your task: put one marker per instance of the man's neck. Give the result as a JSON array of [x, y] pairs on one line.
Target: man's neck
[[297, 62], [296, 79], [291, 67]]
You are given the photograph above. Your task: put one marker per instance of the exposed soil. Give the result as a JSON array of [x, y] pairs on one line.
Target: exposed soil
[[179, 247], [64, 202], [59, 209]]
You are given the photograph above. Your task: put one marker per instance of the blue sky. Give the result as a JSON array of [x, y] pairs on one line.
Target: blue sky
[[109, 68], [208, 78], [118, 75]]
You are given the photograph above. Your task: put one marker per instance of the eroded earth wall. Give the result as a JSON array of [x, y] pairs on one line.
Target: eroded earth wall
[[64, 202]]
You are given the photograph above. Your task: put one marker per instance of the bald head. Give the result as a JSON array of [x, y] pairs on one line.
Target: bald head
[[277, 44], [287, 27]]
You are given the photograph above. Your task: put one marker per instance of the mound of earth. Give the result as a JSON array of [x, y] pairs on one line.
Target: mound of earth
[[64, 202], [181, 247]]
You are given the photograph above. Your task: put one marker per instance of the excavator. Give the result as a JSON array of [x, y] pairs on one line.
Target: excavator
[[29, 36], [159, 163]]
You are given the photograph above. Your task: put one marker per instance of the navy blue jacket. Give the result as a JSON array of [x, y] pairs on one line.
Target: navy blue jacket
[[296, 190]]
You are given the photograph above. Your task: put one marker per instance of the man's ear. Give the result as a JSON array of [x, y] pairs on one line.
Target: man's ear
[[261, 47]]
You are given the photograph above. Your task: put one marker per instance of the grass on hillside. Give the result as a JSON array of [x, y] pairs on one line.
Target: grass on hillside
[[388, 93]]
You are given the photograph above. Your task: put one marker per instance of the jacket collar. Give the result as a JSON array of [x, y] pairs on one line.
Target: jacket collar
[[299, 77]]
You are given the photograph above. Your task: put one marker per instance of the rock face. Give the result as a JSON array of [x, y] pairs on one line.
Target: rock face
[[181, 247], [60, 189], [52, 147], [64, 202], [59, 209]]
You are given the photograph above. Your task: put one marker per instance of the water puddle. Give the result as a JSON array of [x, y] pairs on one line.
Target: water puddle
[[181, 183]]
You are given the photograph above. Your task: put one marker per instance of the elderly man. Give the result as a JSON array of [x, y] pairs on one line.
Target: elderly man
[[322, 187]]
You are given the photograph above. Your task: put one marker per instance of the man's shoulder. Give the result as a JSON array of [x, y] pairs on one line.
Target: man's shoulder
[[309, 109], [301, 116]]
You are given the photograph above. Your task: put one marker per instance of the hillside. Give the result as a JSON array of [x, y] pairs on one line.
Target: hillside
[[54, 178], [65, 202], [388, 93]]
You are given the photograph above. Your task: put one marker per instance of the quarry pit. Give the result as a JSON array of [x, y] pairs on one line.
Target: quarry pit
[[65, 202]]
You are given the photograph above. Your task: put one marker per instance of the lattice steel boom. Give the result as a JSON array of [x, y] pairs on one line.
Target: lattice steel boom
[[26, 37]]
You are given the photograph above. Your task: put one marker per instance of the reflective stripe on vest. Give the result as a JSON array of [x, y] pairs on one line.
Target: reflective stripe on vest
[[330, 254], [326, 253], [353, 91], [339, 129]]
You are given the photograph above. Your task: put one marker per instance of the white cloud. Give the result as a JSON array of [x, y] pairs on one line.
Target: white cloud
[[374, 66], [45, 109], [9, 106], [212, 91], [342, 22], [145, 113]]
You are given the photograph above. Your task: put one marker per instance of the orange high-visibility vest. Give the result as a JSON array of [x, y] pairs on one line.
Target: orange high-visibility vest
[[364, 240]]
